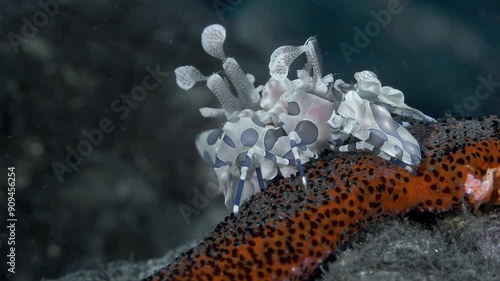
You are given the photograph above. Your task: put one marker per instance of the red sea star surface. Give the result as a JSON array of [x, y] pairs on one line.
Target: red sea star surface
[[286, 232]]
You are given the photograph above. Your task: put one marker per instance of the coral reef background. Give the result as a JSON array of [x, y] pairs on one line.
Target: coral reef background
[[121, 202]]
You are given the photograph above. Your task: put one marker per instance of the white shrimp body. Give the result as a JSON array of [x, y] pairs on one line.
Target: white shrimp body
[[276, 128]]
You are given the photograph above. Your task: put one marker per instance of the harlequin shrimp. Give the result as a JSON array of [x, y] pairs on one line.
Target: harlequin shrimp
[[282, 125], [365, 113]]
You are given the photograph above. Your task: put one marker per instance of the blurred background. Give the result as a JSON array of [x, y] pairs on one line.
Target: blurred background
[[131, 191]]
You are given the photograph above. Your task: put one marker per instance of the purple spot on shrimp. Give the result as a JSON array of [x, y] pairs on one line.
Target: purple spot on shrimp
[[213, 136], [289, 156], [241, 157], [257, 122], [270, 156], [302, 147], [271, 137], [293, 108], [377, 138], [208, 160], [219, 163], [384, 121], [229, 141], [307, 131], [386, 106], [413, 150], [249, 137], [399, 152]]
